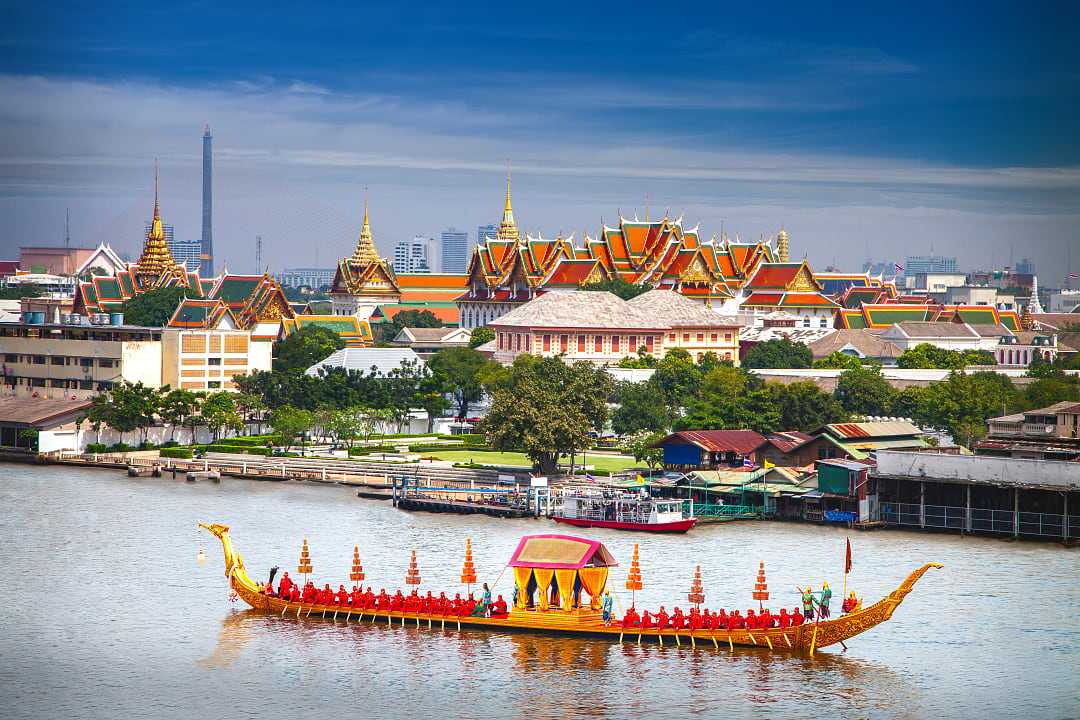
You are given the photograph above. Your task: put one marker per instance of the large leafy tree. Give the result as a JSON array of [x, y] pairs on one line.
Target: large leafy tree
[[677, 379], [153, 308], [546, 408], [640, 445], [462, 368], [805, 406], [778, 353], [838, 360], [219, 413], [731, 399], [19, 292], [180, 408], [962, 403], [386, 331], [642, 408], [480, 335], [926, 356], [134, 407], [864, 391], [291, 423], [619, 287], [304, 348]]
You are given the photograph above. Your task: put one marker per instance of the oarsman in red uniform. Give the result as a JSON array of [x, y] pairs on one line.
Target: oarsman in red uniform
[[294, 593], [498, 608], [662, 619], [356, 598], [342, 596], [740, 621], [310, 593], [285, 585], [442, 604], [696, 620], [326, 595], [784, 620], [369, 599], [647, 621], [766, 619], [751, 619], [720, 619], [796, 618], [397, 602], [630, 619], [678, 620], [384, 600]]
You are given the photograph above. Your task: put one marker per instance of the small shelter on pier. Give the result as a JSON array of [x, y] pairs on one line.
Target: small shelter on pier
[[550, 572]]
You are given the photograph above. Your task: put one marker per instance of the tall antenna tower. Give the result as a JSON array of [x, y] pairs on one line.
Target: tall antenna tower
[[67, 227], [258, 253]]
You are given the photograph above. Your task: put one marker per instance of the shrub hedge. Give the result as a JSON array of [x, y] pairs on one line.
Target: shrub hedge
[[181, 453]]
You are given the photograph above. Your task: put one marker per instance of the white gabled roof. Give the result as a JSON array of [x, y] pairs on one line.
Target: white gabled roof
[[382, 360]]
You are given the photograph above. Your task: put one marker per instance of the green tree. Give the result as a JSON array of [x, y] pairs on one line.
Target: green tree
[[290, 423], [639, 361], [731, 399], [805, 406], [677, 379], [178, 408], [19, 292], [153, 308], [619, 287], [250, 407], [134, 407], [546, 408], [385, 332], [639, 444], [778, 353], [219, 413], [839, 361], [310, 345], [906, 403], [642, 407], [462, 369], [926, 356], [864, 391], [961, 403], [480, 335]]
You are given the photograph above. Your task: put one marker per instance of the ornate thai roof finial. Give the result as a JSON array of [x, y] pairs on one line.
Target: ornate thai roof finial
[[365, 252], [508, 229], [1034, 304]]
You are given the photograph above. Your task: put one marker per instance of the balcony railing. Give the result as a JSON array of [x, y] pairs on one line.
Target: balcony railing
[[1003, 522]]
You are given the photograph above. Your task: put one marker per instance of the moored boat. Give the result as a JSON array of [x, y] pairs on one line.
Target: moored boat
[[556, 572], [619, 510]]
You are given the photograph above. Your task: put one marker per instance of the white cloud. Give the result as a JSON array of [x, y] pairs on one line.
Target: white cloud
[[291, 159]]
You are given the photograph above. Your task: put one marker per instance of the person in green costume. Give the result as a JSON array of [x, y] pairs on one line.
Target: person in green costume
[[823, 603], [808, 603]]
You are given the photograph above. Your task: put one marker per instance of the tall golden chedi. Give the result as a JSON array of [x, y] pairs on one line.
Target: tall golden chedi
[[156, 262], [365, 252], [508, 229]]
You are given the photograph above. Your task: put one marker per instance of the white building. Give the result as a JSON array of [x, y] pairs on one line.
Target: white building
[[949, 336], [187, 253], [314, 278], [411, 256], [601, 328], [52, 285]]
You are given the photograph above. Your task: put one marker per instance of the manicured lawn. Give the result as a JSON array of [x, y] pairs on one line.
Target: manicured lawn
[[600, 462]]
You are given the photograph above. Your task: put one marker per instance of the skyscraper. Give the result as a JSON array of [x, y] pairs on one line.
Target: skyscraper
[[186, 252], [207, 204], [916, 264], [453, 248], [410, 256], [483, 232]]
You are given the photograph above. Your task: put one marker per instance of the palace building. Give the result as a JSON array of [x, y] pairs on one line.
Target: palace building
[[511, 269]]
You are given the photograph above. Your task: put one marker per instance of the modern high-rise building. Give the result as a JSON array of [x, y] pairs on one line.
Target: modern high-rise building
[[929, 264], [1025, 266], [453, 250], [207, 204], [314, 278], [186, 252], [411, 256], [483, 232]]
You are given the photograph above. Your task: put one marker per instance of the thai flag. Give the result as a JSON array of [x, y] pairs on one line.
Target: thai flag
[[898, 267], [1072, 276], [747, 464], [589, 477]]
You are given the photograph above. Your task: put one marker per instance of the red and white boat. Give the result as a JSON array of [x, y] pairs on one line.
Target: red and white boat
[[622, 511]]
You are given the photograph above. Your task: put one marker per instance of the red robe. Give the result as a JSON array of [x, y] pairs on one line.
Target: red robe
[[285, 586], [499, 607], [342, 596], [678, 620], [647, 621], [797, 618]]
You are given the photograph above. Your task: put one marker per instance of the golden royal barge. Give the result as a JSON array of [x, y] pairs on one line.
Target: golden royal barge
[[559, 561]]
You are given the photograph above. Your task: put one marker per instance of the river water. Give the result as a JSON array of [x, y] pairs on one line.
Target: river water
[[109, 615]]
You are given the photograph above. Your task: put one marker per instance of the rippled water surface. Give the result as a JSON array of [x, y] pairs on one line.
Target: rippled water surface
[[108, 614]]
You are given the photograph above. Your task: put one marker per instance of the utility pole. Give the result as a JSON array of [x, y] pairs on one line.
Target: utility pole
[[258, 254]]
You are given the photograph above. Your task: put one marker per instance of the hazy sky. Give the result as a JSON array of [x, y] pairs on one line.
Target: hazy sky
[[877, 131]]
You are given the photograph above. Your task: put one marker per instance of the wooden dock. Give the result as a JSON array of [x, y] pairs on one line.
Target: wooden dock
[[420, 503]]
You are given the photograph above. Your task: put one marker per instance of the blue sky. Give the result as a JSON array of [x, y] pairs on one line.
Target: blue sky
[[863, 130]]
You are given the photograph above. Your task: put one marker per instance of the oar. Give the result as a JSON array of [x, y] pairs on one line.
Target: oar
[[677, 642], [284, 609], [786, 639], [750, 635], [693, 643], [767, 640], [731, 645], [813, 641], [298, 609], [715, 645], [661, 638]]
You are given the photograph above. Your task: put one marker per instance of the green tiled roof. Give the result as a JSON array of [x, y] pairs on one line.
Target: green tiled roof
[[897, 313], [232, 291], [979, 316], [110, 288], [1010, 322]]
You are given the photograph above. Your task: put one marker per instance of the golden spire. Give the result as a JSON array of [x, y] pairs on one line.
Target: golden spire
[[365, 252], [782, 246], [508, 229], [156, 259]]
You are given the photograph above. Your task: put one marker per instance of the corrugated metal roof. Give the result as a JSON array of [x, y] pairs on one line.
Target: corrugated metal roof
[[381, 360], [889, 428], [737, 441]]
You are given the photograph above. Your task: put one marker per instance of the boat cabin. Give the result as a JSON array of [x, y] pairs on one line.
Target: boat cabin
[[631, 508], [551, 571]]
